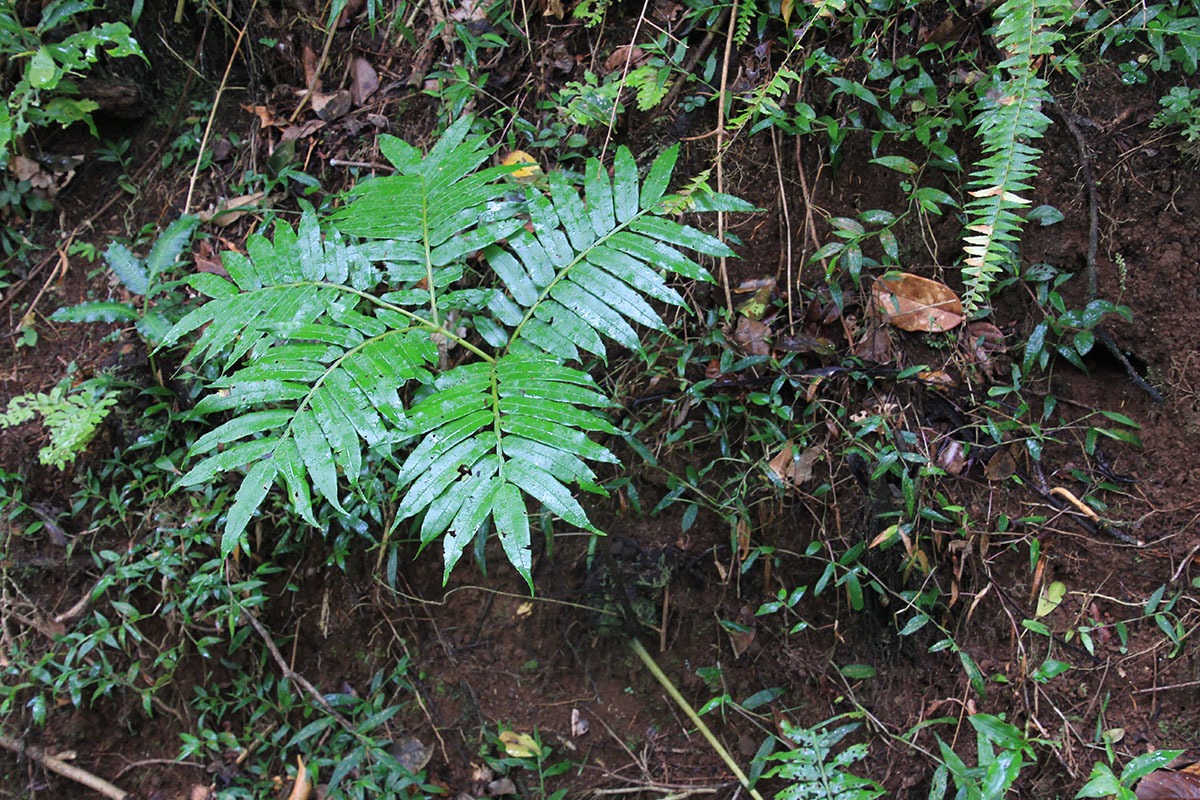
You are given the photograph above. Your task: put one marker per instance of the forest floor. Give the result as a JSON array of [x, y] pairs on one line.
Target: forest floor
[[483, 655]]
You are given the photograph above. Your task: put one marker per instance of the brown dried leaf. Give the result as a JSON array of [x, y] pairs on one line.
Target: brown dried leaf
[[753, 337], [411, 753], [913, 303], [986, 340], [309, 58], [1164, 785], [635, 56], [265, 116], [794, 469], [24, 168], [296, 132], [875, 345], [742, 641], [1000, 466], [365, 81], [330, 106], [228, 212]]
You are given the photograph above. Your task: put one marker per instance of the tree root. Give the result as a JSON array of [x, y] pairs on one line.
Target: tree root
[[62, 768]]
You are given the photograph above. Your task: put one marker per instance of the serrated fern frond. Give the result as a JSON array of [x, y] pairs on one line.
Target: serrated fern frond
[[1008, 120], [325, 342]]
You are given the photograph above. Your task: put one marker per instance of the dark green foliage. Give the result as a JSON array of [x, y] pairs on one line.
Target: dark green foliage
[[335, 352]]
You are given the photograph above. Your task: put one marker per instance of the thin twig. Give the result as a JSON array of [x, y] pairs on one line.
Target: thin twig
[[316, 76], [66, 770], [787, 227], [296, 677], [721, 150], [612, 117], [187, 205]]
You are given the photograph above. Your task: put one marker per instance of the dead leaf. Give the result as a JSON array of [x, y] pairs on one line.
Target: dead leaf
[[330, 106], [365, 81], [579, 723], [986, 340], [1165, 785], [501, 787], [302, 788], [200, 792], [875, 345], [554, 8], [294, 133], [265, 117], [227, 213], [519, 745], [913, 303], [741, 641], [634, 55], [411, 754], [24, 168], [309, 58], [794, 469], [206, 260], [752, 336], [1000, 466]]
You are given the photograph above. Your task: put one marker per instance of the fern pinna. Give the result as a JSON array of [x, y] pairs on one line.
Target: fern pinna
[[330, 339], [1008, 119]]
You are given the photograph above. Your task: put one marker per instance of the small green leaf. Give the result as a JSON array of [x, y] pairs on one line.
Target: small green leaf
[[858, 672], [41, 70], [897, 163]]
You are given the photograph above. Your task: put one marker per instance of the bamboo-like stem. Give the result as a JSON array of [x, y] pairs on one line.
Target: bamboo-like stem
[[662, 678]]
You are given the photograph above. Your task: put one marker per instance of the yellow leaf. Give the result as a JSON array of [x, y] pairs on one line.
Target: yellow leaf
[[519, 745], [527, 174], [302, 788]]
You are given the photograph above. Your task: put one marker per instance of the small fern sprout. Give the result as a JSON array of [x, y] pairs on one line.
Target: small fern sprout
[[327, 336]]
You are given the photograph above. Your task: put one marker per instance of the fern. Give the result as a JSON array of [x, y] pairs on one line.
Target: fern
[[327, 342], [1008, 119], [70, 417]]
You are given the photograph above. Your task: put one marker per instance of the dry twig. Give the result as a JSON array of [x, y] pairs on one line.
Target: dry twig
[[53, 764]]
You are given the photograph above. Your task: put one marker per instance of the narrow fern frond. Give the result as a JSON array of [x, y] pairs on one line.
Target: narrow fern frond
[[1008, 119], [324, 342]]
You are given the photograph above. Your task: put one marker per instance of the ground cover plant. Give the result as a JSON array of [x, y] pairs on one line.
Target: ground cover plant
[[552, 400]]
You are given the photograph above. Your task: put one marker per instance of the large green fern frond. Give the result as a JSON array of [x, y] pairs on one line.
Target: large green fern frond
[[1008, 119], [325, 341]]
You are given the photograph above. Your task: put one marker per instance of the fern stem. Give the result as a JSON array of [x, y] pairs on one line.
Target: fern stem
[[662, 678], [420, 321], [563, 274]]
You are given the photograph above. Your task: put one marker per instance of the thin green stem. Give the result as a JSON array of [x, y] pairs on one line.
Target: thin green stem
[[662, 678], [420, 321]]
